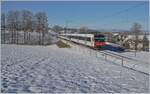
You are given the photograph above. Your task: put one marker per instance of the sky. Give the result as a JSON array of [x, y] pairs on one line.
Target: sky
[[92, 14]]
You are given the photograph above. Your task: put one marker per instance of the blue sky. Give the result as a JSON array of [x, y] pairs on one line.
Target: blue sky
[[92, 14]]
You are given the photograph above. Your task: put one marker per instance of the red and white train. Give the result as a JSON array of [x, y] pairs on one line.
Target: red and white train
[[91, 40]]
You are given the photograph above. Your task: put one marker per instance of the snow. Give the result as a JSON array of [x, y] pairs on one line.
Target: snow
[[49, 69], [140, 62]]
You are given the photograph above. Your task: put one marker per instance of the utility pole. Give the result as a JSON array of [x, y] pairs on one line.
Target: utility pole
[[66, 25], [136, 30]]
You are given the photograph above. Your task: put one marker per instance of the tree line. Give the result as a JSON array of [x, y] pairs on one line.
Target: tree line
[[26, 21]]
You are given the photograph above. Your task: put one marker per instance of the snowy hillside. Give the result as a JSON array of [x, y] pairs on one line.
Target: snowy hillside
[[49, 69]]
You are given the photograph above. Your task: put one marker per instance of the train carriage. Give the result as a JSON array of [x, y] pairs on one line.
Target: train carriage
[[91, 40]]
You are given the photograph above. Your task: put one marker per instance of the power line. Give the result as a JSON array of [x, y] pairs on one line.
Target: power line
[[120, 12], [125, 10]]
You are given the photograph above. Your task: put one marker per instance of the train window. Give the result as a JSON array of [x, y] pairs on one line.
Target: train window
[[88, 39], [80, 38], [99, 35], [100, 39]]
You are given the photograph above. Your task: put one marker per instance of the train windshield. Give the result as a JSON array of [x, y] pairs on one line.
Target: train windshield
[[99, 38]]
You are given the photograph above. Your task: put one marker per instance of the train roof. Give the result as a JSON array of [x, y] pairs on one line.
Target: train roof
[[84, 35]]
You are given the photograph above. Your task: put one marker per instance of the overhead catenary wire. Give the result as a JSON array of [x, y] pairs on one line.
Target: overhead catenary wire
[[122, 11], [107, 17]]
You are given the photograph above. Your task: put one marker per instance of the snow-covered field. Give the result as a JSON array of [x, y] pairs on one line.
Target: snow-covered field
[[49, 69]]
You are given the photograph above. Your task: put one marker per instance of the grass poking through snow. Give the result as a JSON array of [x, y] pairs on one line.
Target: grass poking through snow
[[61, 44]]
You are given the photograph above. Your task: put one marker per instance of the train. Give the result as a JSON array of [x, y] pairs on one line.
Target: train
[[96, 41]]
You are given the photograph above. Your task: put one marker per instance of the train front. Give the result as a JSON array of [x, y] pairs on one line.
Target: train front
[[99, 41]]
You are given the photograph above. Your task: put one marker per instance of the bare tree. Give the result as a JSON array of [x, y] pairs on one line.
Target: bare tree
[[11, 24], [29, 25], [3, 25], [3, 19], [145, 42], [16, 25], [45, 27], [136, 30], [38, 25], [26, 23], [41, 25]]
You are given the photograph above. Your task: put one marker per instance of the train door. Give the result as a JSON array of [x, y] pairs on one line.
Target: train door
[[85, 39], [92, 41], [99, 41]]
